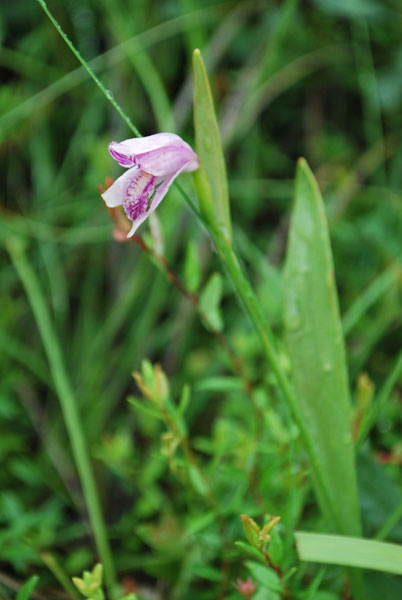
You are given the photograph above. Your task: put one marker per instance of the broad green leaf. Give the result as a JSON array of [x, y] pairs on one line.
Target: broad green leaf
[[349, 552], [209, 149], [26, 590], [209, 301], [316, 347], [265, 576]]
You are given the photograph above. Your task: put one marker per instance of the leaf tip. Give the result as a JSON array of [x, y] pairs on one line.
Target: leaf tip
[[197, 58], [302, 164]]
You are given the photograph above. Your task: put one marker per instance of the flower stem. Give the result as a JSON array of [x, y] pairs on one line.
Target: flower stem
[[68, 404], [105, 92]]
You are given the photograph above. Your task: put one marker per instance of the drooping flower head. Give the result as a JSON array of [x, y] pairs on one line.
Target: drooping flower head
[[153, 164]]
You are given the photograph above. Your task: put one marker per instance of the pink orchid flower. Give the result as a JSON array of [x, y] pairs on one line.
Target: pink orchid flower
[[153, 164]]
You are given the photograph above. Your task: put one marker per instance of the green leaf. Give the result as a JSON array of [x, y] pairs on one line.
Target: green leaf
[[250, 550], [26, 590], [209, 301], [209, 150], [350, 552], [316, 347], [197, 481], [276, 547], [184, 399], [265, 576], [192, 270], [206, 572], [144, 407], [219, 383]]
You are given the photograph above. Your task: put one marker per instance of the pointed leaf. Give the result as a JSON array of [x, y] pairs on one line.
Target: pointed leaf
[[209, 301], [26, 590], [192, 268], [316, 347], [265, 576], [209, 148]]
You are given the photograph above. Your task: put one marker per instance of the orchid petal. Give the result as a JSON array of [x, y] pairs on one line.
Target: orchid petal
[[152, 163], [166, 160], [115, 194], [124, 152], [163, 189], [137, 223], [156, 200]]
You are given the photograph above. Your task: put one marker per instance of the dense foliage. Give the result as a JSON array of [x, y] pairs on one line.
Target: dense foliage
[[201, 435]]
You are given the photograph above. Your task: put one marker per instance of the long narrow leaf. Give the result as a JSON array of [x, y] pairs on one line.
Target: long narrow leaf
[[315, 342], [349, 552], [209, 147]]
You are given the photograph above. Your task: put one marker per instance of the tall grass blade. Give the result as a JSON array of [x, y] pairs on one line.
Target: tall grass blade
[[68, 401]]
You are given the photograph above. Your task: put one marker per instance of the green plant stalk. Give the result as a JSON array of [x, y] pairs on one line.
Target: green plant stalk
[[54, 566], [68, 403], [264, 332], [90, 72]]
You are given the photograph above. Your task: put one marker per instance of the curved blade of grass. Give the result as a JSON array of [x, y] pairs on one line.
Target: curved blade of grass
[[67, 400], [349, 552], [315, 342], [209, 147]]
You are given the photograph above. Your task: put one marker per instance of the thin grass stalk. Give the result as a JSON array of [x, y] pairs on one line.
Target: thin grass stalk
[[68, 402]]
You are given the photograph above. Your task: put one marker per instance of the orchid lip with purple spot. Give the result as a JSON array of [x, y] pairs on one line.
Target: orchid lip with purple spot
[[153, 164]]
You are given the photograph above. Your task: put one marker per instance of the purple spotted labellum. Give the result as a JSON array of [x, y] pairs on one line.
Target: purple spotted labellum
[[153, 164]]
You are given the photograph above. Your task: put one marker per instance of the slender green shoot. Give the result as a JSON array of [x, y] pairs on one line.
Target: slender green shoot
[[90, 72], [68, 402]]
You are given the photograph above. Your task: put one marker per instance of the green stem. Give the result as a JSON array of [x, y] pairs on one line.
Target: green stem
[[54, 566], [68, 403], [90, 72], [264, 332], [261, 326]]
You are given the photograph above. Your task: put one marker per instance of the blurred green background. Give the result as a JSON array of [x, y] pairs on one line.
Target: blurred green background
[[320, 79]]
